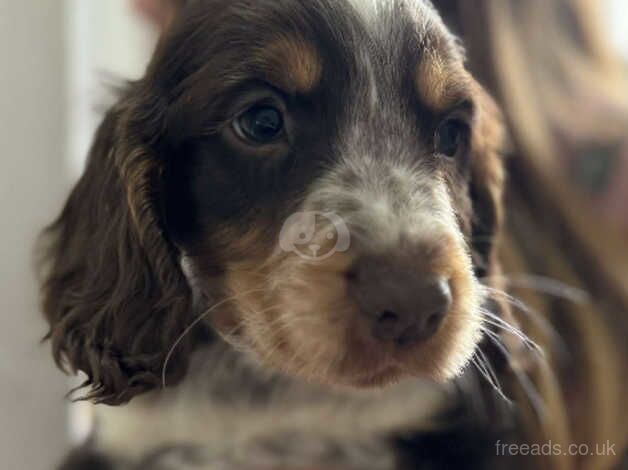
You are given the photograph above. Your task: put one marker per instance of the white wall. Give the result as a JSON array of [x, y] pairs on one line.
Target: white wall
[[32, 182], [107, 42], [618, 24], [55, 57]]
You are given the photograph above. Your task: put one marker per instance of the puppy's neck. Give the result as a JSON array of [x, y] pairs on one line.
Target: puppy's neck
[[228, 402]]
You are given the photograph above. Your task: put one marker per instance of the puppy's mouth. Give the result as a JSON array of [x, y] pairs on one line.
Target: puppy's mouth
[[359, 321]]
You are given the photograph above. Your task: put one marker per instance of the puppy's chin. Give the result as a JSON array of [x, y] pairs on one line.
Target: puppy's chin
[[308, 327]]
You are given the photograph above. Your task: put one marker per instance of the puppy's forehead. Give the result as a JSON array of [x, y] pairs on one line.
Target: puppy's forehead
[[410, 33], [397, 37], [366, 51], [298, 34], [372, 11]]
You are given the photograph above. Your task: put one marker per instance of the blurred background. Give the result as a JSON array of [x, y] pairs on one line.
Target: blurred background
[[57, 60]]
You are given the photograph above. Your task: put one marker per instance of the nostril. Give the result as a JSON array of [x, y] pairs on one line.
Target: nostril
[[433, 322], [399, 303], [388, 317], [387, 326], [352, 274], [409, 336]]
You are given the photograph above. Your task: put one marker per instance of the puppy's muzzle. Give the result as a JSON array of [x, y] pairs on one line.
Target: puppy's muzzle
[[401, 304]]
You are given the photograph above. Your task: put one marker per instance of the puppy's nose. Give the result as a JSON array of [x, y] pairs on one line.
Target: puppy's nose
[[402, 305]]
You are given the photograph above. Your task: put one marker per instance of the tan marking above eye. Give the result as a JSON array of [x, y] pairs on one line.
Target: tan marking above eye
[[441, 84], [291, 63]]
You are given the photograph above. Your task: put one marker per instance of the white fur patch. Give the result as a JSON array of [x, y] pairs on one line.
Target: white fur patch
[[369, 9], [187, 415]]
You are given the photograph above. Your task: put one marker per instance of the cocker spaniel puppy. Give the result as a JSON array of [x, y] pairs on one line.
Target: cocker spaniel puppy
[[279, 241]]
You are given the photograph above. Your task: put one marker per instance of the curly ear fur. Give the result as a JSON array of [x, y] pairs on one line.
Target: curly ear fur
[[113, 291]]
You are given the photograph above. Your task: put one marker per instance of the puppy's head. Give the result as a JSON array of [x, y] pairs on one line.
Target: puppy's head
[[322, 178]]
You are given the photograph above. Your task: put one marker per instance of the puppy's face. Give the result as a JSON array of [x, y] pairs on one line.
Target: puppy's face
[[320, 177], [319, 183]]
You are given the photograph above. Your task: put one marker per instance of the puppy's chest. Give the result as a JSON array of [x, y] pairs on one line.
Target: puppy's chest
[[233, 416]]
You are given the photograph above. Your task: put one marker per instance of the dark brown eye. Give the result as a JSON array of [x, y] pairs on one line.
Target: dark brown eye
[[451, 137], [260, 124]]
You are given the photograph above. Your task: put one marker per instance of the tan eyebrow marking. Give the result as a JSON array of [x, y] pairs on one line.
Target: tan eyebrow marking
[[442, 85], [292, 63]]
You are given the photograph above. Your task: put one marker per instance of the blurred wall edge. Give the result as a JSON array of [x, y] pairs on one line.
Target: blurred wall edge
[[32, 181], [107, 44], [618, 24]]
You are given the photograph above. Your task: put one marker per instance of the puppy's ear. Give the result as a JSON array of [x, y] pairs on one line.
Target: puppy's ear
[[487, 181], [490, 144], [113, 290]]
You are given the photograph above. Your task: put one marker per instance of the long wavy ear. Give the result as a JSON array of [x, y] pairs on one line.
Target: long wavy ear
[[489, 143], [487, 183], [113, 291], [491, 248]]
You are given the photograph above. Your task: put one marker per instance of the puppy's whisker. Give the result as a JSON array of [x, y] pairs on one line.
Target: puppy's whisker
[[475, 361], [284, 322], [520, 305], [487, 364], [496, 321], [544, 285], [539, 320], [524, 339], [503, 295], [192, 325], [481, 368], [249, 320], [527, 385]]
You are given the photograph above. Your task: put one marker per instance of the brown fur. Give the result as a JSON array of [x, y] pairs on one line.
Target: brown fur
[[293, 64], [441, 85], [117, 299], [108, 259]]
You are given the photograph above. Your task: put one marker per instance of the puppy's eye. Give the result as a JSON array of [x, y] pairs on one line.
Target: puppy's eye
[[451, 136], [260, 124]]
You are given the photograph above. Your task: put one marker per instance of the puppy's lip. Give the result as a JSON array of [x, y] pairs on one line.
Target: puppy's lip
[[379, 377], [384, 364], [392, 365]]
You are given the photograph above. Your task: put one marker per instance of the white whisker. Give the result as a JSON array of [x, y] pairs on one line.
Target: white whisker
[[542, 323], [193, 324], [496, 321], [544, 285], [484, 372], [528, 386]]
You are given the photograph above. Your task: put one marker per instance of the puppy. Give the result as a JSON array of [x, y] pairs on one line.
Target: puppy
[[284, 240]]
